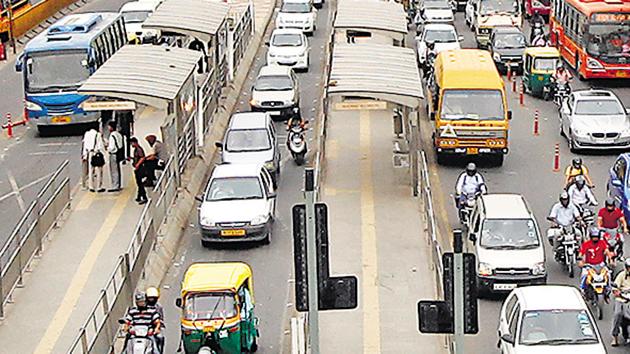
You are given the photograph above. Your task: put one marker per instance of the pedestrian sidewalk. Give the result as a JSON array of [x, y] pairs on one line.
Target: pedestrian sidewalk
[[376, 232]]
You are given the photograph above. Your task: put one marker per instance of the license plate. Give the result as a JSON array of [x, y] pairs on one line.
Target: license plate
[[504, 286], [621, 74], [274, 113], [232, 232], [472, 151], [60, 119]]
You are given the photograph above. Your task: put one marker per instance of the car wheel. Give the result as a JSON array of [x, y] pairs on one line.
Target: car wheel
[[267, 240], [441, 158], [572, 147]]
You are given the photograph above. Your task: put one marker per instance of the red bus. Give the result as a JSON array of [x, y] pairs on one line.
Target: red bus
[[542, 7], [593, 36]]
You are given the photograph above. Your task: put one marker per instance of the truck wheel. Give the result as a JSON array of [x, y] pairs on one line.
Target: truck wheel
[[441, 158], [497, 160]]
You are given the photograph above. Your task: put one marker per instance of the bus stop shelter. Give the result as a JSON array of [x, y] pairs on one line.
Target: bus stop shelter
[[370, 21], [160, 77]]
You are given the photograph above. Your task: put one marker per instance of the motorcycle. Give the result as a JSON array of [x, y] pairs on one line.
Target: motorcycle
[[465, 205], [625, 322], [597, 288], [140, 341], [561, 92], [615, 244], [296, 142], [568, 244]]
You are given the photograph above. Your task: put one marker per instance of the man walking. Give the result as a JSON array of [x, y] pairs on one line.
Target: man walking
[[139, 170], [93, 160], [115, 148]]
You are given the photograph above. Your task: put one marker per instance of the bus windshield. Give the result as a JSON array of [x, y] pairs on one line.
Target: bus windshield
[[56, 71], [464, 105], [609, 42], [489, 7]]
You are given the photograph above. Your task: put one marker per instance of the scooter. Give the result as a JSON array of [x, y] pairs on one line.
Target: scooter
[[597, 288], [615, 244], [296, 142], [568, 244], [140, 341], [465, 206]]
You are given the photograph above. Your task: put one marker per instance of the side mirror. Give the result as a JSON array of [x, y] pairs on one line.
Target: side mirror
[[121, 321], [509, 115], [272, 195], [616, 183], [19, 63], [267, 43], [460, 38], [472, 237], [218, 144], [199, 198], [178, 302], [432, 115], [508, 338]]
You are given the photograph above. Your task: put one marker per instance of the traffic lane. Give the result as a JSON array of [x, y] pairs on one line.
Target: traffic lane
[[272, 265]]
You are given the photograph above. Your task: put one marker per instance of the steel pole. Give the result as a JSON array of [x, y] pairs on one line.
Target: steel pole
[[458, 296], [311, 261], [10, 15]]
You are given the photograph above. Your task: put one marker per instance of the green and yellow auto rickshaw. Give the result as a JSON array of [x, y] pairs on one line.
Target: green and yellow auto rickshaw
[[539, 65], [217, 302]]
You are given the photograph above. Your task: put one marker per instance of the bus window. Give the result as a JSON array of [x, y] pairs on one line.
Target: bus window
[[97, 55]]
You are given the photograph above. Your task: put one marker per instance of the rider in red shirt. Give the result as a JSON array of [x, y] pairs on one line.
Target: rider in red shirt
[[611, 217], [593, 252]]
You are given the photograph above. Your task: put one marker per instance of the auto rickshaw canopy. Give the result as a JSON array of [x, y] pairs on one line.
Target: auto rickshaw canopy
[[209, 277], [542, 52]]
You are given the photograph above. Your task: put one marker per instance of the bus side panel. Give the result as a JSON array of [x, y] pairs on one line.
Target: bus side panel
[[31, 16]]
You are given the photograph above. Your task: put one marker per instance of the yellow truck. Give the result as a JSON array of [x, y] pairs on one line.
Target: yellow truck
[[467, 100]]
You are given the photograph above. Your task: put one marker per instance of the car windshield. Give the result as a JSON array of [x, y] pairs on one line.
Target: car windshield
[[213, 306], [489, 7], [55, 71], [598, 107], [464, 104], [136, 16], [234, 188], [509, 40], [609, 42], [247, 140], [545, 64], [273, 83], [286, 40], [557, 327], [296, 7], [440, 36], [435, 5], [508, 234]]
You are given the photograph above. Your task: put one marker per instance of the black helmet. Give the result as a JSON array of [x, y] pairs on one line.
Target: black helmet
[[140, 297], [610, 202], [595, 232], [577, 162], [471, 169]]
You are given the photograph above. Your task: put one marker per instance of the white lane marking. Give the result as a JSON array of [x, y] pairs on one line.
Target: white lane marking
[[44, 153], [16, 190], [57, 144], [26, 186]]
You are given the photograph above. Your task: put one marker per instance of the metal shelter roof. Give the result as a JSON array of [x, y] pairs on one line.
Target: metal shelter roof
[[148, 74], [376, 71], [198, 18], [371, 15]]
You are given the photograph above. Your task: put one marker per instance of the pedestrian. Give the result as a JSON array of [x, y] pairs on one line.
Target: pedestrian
[[115, 148], [125, 126], [156, 158], [139, 170], [93, 160]]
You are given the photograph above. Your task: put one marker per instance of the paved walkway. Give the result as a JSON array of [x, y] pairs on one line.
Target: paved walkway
[[376, 233], [65, 283]]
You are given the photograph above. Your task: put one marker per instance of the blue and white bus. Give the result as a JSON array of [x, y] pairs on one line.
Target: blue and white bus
[[57, 61]]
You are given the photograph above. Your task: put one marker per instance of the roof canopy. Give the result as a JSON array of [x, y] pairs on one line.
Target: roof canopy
[[371, 15], [148, 74], [376, 71], [198, 18]]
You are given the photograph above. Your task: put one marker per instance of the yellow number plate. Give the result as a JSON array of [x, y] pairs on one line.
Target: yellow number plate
[[60, 119], [232, 232], [472, 151]]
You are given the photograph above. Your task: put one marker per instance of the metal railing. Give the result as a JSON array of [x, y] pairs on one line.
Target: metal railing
[[27, 237]]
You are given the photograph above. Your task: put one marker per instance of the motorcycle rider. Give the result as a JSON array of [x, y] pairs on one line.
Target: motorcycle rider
[[563, 213], [580, 194], [540, 40], [577, 168], [610, 218], [621, 284], [142, 315], [153, 295], [593, 252], [562, 76], [469, 182]]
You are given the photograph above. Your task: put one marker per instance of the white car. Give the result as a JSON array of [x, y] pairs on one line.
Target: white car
[[135, 13], [288, 47], [437, 11], [276, 91], [298, 14], [594, 119], [442, 35], [238, 205], [547, 319]]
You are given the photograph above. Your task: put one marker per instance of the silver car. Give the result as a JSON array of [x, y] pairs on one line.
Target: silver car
[[594, 119]]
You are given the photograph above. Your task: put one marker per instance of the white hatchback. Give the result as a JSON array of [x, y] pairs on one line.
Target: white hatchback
[[288, 47], [548, 319], [442, 35], [298, 14]]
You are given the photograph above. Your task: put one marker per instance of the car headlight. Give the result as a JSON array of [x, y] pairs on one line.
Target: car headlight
[[259, 220], [206, 221], [484, 269], [289, 102], [269, 165], [593, 64], [32, 106], [578, 132], [538, 269], [253, 102], [271, 55], [496, 56]]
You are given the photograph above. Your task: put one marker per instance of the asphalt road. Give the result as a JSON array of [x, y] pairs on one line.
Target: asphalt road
[[527, 170], [27, 159], [272, 264]]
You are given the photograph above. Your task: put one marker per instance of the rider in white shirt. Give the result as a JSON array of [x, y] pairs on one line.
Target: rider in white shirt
[[580, 194], [469, 182]]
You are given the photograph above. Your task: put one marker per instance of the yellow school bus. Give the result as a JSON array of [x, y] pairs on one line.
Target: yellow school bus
[[467, 100]]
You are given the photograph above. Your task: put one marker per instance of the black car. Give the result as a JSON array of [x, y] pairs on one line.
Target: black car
[[507, 45]]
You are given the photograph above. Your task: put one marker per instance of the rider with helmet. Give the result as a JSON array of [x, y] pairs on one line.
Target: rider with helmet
[[469, 182], [577, 168], [580, 194], [153, 295], [593, 252], [620, 285], [142, 315], [563, 214]]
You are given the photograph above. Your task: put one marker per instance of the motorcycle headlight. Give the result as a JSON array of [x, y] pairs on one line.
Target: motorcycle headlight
[[484, 269], [32, 106], [538, 269], [496, 57], [593, 64], [206, 221], [259, 220]]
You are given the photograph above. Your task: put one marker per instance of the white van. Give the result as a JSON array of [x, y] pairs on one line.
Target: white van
[[507, 242]]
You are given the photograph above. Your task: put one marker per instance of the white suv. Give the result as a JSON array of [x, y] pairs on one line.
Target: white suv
[[298, 14], [547, 319], [288, 47]]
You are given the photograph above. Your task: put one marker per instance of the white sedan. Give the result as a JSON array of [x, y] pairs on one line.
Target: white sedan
[[442, 35]]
